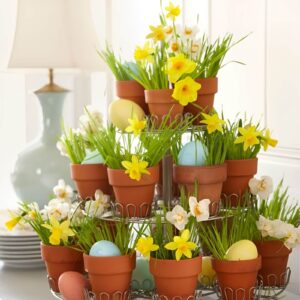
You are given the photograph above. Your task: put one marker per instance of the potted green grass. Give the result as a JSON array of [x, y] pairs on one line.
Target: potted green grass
[[235, 257], [126, 86], [201, 162], [245, 140], [87, 165], [277, 231]]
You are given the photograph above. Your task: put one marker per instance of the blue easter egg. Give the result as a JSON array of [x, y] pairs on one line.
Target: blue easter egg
[[93, 157], [105, 248], [142, 279], [192, 154]]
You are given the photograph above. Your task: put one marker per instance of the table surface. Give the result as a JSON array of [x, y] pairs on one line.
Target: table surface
[[21, 284]]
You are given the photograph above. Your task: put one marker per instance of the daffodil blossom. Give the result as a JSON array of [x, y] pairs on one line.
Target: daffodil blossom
[[265, 226], [173, 11], [186, 91], [145, 246], [248, 136], [262, 187], [200, 210], [213, 122], [188, 33], [135, 168], [11, 224], [292, 238], [157, 33], [57, 209], [136, 126], [178, 217], [182, 245], [267, 140], [59, 231], [62, 191], [91, 120], [179, 65], [61, 147], [144, 53], [96, 208]]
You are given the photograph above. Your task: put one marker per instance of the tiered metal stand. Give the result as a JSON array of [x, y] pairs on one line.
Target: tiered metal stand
[[209, 292]]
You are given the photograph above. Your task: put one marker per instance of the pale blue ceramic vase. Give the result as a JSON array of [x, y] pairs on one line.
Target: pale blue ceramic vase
[[39, 166]]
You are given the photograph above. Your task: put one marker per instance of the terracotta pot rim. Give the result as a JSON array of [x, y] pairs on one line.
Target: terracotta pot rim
[[159, 90], [220, 166], [237, 266], [117, 257], [129, 81], [174, 260], [241, 160], [281, 249], [84, 165]]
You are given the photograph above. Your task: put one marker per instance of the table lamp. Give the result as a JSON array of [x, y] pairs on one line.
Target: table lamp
[[50, 34]]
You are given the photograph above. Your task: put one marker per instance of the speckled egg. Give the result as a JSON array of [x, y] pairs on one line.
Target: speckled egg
[[192, 154], [121, 110], [105, 248]]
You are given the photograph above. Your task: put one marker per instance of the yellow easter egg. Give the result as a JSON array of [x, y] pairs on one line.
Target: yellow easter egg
[[121, 110], [241, 250], [208, 274]]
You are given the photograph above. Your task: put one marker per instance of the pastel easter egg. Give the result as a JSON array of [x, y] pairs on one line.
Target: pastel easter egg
[[242, 250], [208, 274], [93, 157], [72, 284], [142, 279], [105, 248], [192, 154], [121, 110]]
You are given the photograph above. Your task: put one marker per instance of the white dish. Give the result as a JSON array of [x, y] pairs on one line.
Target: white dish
[[26, 265], [23, 252], [21, 243], [19, 257], [20, 248]]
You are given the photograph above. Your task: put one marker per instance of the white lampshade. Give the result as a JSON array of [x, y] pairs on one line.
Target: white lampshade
[[54, 34]]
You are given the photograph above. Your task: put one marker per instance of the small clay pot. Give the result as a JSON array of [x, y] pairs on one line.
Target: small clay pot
[[275, 257], [239, 172], [175, 278], [161, 104], [132, 90], [89, 178], [206, 96], [60, 259], [110, 276], [237, 279], [134, 197], [209, 179]]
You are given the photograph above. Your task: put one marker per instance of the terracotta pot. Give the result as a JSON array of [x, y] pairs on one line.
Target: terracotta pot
[[132, 90], [110, 275], [161, 103], [90, 177], [206, 96], [134, 197], [175, 278], [237, 279], [239, 172], [209, 178], [275, 257], [60, 259]]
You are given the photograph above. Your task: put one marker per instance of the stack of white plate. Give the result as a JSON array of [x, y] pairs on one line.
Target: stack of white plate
[[20, 251]]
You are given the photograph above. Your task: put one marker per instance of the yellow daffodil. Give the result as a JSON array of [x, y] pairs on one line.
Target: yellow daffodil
[[144, 53], [135, 168], [185, 91], [173, 11], [267, 140], [182, 245], [136, 126], [179, 65], [213, 122], [10, 225], [145, 246], [248, 136], [59, 231], [157, 33]]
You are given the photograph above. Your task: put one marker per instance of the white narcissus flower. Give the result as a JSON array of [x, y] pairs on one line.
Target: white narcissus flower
[[76, 214], [263, 187], [62, 191], [91, 121], [97, 207], [293, 237], [265, 226], [178, 217], [61, 148], [200, 210], [189, 32], [58, 209]]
